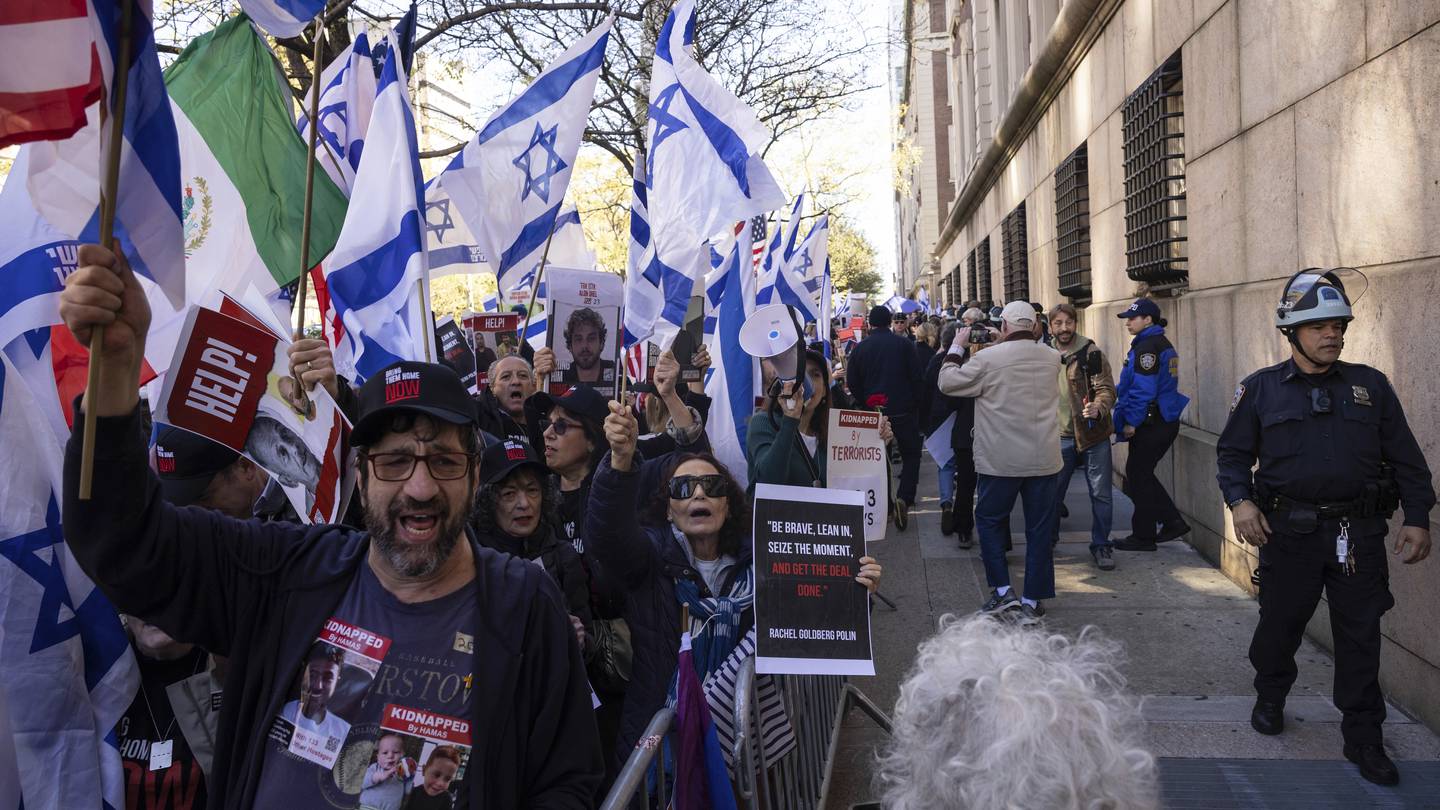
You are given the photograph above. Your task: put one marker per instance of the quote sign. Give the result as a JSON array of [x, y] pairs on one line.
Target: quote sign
[[811, 616], [455, 351], [855, 459]]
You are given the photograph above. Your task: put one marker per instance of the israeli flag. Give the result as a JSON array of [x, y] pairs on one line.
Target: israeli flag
[[702, 172], [922, 297], [283, 19], [842, 310], [731, 386], [66, 671], [346, 97], [792, 282], [778, 253], [379, 257], [65, 176], [508, 183]]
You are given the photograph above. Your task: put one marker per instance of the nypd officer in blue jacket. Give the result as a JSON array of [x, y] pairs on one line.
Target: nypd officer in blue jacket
[[1147, 414], [1336, 458]]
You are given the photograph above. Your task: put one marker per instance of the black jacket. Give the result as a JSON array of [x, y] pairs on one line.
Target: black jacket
[[936, 407], [557, 556], [885, 363], [259, 594], [648, 559]]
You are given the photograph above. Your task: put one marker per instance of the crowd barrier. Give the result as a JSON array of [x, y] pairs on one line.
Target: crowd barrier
[[799, 780]]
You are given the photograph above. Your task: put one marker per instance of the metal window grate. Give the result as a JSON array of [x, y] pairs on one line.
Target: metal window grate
[[971, 290], [979, 271], [1154, 135], [1072, 224], [956, 288], [1015, 255]]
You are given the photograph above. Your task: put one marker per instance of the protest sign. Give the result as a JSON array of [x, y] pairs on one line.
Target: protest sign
[[230, 382], [811, 616], [584, 329], [494, 337], [689, 339], [938, 443], [454, 351], [855, 459]]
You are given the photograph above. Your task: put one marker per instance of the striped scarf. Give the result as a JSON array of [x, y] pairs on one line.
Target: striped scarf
[[715, 620]]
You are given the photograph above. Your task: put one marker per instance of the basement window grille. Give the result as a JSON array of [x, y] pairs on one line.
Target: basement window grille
[[1154, 137], [1015, 256], [979, 272], [1072, 224]]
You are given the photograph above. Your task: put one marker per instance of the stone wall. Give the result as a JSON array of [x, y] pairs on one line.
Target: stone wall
[[1312, 138]]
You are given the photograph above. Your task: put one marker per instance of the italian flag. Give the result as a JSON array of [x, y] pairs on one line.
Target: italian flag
[[243, 168]]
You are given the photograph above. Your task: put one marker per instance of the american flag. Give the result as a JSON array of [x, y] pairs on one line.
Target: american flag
[[757, 239]]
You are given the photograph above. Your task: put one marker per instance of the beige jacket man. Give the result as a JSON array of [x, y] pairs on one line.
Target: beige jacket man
[[1015, 384]]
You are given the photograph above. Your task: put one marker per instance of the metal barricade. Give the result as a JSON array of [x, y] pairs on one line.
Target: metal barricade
[[800, 780], [631, 782]]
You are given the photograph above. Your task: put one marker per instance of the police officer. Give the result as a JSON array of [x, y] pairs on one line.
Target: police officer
[[1147, 412], [1336, 457]]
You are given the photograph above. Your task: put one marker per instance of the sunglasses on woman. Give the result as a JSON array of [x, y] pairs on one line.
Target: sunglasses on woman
[[561, 426], [683, 487]]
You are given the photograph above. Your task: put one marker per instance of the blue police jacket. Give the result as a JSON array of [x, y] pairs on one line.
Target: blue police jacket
[[1151, 374]]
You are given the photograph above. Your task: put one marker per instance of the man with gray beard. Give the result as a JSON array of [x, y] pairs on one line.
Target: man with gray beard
[[428, 635]]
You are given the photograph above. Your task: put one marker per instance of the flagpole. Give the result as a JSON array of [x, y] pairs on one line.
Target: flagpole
[[300, 292], [539, 275], [109, 200]]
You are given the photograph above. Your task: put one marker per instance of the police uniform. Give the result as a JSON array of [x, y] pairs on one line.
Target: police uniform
[[1321, 442], [1148, 399]]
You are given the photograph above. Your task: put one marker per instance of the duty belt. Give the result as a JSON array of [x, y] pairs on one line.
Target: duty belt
[[1323, 511]]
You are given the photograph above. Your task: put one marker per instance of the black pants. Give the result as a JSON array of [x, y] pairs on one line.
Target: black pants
[[965, 480], [1152, 503], [907, 436], [1293, 571]]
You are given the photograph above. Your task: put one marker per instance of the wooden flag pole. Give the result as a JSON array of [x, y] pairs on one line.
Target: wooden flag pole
[[539, 275], [301, 289], [109, 200]]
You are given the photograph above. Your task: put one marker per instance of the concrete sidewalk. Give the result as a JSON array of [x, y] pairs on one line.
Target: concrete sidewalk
[[1186, 631]]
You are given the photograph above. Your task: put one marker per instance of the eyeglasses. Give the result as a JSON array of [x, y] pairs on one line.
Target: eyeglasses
[[683, 487], [400, 466], [560, 425]]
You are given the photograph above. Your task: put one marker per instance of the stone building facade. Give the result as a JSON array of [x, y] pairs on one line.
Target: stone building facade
[[1207, 150]]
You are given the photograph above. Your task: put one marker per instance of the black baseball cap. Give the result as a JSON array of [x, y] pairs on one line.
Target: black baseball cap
[[583, 401], [409, 385], [187, 462], [505, 457]]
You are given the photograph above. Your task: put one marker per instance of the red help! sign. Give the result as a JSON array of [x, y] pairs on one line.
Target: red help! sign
[[220, 377]]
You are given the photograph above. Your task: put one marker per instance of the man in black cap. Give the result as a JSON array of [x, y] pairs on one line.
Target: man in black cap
[[413, 601], [195, 471], [884, 372]]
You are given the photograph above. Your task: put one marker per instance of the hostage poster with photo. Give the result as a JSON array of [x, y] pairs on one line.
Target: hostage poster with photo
[[230, 382], [811, 616], [584, 326], [493, 337], [454, 351], [855, 459]]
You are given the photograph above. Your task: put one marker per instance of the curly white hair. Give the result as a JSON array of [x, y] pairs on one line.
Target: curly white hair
[[998, 716]]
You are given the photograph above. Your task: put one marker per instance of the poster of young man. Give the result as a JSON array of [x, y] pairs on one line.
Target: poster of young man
[[454, 350], [811, 617], [230, 382], [855, 459], [495, 337], [584, 329]]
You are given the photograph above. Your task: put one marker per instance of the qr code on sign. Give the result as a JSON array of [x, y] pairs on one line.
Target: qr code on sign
[[332, 744]]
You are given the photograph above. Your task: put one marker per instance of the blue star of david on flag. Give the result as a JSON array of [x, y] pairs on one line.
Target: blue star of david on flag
[[540, 184], [666, 125], [444, 223]]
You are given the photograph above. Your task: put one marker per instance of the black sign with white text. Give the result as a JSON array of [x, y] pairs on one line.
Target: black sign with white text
[[811, 616]]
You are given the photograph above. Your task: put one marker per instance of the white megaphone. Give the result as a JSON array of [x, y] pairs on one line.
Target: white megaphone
[[773, 333]]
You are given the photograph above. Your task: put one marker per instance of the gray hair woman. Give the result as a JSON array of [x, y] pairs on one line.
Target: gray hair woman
[[998, 716]]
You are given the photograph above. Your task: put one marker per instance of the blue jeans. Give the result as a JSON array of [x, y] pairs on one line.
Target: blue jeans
[[1098, 465], [996, 497], [947, 481]]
